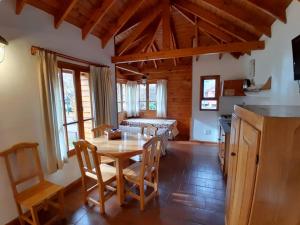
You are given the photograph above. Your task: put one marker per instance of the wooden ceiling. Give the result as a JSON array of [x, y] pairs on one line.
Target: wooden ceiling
[[157, 30]]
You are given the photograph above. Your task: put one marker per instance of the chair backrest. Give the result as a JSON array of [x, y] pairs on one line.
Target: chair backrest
[[88, 160], [149, 130], [99, 131], [150, 157], [23, 164]]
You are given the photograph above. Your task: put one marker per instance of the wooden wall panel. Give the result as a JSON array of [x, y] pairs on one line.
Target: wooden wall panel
[[179, 96]]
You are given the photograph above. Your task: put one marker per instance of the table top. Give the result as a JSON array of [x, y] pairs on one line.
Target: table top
[[130, 145]]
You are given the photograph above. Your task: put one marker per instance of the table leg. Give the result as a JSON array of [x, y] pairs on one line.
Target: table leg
[[120, 181]]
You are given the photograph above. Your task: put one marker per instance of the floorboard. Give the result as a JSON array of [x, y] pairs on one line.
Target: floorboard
[[192, 192]]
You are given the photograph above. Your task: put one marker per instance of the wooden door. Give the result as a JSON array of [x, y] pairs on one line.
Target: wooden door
[[233, 145], [245, 175]]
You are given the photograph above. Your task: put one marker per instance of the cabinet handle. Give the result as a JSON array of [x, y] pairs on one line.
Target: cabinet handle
[[233, 154]]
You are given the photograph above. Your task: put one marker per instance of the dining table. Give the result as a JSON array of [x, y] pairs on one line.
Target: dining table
[[121, 150]]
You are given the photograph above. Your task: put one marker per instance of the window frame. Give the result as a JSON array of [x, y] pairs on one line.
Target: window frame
[[77, 69], [217, 91], [148, 97], [123, 98]]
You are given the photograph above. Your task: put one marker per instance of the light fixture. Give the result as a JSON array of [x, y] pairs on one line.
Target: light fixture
[[144, 79], [3, 43]]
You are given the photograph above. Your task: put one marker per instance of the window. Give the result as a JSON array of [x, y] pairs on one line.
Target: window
[[209, 93], [75, 88], [121, 96], [143, 96], [147, 97]]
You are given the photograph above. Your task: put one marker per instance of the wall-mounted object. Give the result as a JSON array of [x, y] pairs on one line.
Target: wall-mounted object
[[257, 88], [3, 43], [233, 88], [296, 57]]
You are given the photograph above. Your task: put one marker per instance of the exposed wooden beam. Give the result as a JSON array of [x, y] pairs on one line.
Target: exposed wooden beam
[[19, 6], [63, 13], [183, 14], [96, 17], [187, 52], [229, 9], [139, 29], [130, 10], [166, 24], [275, 12], [215, 20], [129, 68]]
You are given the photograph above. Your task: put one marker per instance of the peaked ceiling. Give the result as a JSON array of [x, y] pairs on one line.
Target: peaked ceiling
[[145, 26]]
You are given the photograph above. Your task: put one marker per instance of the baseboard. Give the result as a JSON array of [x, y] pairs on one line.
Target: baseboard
[[67, 189]]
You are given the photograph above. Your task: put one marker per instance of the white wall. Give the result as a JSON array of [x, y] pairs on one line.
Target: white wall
[[20, 114], [275, 61]]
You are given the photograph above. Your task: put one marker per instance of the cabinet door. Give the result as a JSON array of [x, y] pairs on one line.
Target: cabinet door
[[233, 145], [245, 174]]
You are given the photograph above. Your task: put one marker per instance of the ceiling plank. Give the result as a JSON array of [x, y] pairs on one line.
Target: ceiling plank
[[189, 19], [96, 17], [236, 13], [281, 15], [215, 20], [19, 6], [63, 13], [130, 10], [148, 19], [129, 68], [166, 24], [187, 52]]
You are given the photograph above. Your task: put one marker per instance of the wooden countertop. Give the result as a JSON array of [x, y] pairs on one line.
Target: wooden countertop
[[272, 110]]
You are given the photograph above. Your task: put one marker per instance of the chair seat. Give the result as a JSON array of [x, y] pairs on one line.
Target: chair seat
[[37, 194], [105, 159], [108, 173]]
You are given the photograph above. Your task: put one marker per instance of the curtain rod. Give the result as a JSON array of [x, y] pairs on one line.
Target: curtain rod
[[34, 50]]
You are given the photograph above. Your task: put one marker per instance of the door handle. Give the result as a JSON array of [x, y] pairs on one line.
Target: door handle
[[233, 154]]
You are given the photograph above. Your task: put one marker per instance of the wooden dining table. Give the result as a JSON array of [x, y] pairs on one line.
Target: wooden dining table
[[121, 150]]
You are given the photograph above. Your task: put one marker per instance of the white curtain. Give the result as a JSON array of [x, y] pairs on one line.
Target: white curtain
[[101, 89], [52, 107], [161, 98], [132, 99]]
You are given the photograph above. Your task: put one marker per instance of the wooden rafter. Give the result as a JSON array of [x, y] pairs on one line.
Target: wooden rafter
[[139, 29], [173, 41], [187, 52], [19, 6], [63, 13], [96, 17], [276, 14], [130, 10], [245, 18], [166, 24], [215, 20], [129, 68]]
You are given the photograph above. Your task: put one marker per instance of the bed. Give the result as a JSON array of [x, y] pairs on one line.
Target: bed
[[170, 125]]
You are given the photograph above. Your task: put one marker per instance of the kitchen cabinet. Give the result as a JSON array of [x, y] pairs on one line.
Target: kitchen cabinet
[[233, 88], [263, 182]]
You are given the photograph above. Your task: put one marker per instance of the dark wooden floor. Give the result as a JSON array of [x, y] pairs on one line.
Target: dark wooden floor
[[192, 192]]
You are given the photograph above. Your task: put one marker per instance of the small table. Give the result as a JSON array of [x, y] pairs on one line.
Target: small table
[[126, 147]]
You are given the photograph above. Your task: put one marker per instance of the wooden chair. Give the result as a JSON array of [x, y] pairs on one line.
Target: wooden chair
[[99, 131], [145, 172], [150, 130], [91, 168], [24, 168]]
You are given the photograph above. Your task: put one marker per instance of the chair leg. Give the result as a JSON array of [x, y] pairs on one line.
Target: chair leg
[[20, 212], [84, 192], [62, 204], [34, 215], [142, 197], [101, 200]]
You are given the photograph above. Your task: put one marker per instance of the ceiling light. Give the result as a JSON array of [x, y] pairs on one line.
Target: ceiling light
[[3, 43]]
